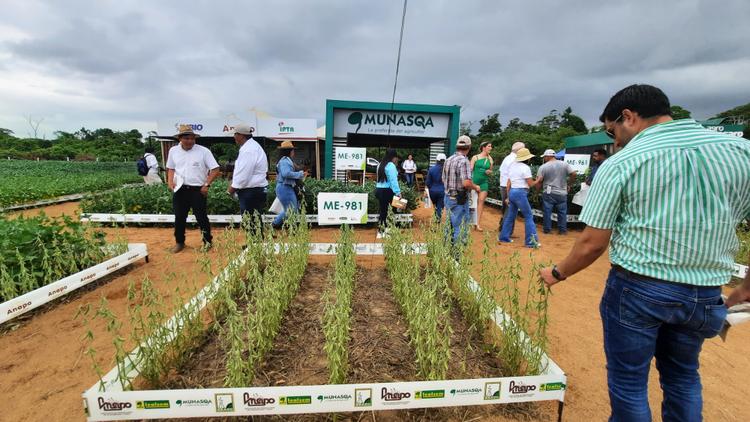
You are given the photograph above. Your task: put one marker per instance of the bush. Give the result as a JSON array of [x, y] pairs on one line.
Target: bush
[[157, 199]]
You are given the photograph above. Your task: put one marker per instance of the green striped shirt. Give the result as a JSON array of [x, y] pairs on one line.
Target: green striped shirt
[[673, 198]]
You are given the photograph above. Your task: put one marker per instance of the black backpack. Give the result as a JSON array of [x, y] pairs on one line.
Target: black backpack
[[142, 166]]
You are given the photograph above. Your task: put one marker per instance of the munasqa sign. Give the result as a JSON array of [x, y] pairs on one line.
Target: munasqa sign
[[384, 122], [342, 208], [350, 158]]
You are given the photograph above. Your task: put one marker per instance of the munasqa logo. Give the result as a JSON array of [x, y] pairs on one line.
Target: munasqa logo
[[193, 403], [520, 388], [114, 406], [429, 394], [391, 119], [256, 400], [393, 395], [294, 400], [335, 397], [466, 391]]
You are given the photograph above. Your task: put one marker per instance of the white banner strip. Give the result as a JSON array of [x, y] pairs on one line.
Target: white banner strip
[[363, 248], [24, 303], [536, 212], [222, 219], [153, 404]]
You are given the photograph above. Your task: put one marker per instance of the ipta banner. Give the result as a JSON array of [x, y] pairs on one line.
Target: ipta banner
[[284, 128], [396, 123], [205, 126]]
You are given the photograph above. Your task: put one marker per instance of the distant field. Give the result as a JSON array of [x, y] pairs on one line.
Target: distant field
[[27, 181]]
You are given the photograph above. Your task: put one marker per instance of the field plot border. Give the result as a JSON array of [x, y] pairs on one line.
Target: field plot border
[[35, 298], [223, 219], [62, 199], [106, 400]]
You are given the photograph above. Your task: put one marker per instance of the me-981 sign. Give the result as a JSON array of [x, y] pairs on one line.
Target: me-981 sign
[[579, 162], [350, 158], [342, 208]]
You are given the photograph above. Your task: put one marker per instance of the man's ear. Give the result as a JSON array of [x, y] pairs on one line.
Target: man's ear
[[629, 116]]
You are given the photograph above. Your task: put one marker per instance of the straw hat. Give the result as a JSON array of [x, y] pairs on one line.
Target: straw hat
[[185, 130], [286, 145], [523, 154]]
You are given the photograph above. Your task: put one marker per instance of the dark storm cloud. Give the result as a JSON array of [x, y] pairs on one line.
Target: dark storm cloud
[[124, 63]]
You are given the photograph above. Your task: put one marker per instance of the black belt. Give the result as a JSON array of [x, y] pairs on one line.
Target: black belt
[[629, 273], [186, 187], [257, 187]]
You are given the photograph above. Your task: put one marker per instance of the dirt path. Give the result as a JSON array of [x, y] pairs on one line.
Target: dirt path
[[44, 372]]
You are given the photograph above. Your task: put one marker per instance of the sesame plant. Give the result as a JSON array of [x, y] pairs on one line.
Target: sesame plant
[[337, 316], [423, 303]]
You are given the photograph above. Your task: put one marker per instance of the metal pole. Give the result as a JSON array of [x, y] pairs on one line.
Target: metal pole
[[560, 406]]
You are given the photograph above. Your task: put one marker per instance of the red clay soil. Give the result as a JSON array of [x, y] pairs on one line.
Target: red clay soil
[[44, 370]]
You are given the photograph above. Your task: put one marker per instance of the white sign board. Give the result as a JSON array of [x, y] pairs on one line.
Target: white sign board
[[342, 208], [350, 158], [288, 128], [397, 123], [579, 162], [205, 126]]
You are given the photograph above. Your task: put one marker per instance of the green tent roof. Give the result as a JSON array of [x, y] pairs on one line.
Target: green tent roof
[[713, 122], [596, 138]]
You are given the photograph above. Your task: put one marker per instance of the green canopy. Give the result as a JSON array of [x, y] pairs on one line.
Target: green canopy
[[596, 138]]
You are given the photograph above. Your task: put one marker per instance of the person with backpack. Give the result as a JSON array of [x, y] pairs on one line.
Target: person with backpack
[[148, 167]]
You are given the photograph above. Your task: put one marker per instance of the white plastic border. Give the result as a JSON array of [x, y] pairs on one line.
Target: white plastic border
[[222, 219], [537, 213], [107, 401], [33, 299]]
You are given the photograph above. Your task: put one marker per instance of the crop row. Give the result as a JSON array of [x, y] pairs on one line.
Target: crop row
[[28, 181]]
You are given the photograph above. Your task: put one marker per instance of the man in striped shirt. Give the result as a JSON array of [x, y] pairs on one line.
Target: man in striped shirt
[[667, 205]]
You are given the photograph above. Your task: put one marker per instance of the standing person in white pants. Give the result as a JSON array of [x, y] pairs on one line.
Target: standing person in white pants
[[152, 178]]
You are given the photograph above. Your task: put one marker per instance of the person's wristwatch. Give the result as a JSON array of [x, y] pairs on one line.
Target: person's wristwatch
[[556, 274]]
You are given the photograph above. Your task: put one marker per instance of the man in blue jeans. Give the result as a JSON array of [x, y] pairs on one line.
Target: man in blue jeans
[[457, 181], [664, 206], [249, 177], [553, 177]]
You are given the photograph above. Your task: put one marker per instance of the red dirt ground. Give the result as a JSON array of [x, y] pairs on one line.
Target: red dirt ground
[[44, 370]]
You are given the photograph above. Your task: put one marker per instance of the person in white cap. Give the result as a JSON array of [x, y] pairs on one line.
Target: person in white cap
[[249, 178], [196, 168], [553, 177], [504, 171], [435, 186], [458, 183]]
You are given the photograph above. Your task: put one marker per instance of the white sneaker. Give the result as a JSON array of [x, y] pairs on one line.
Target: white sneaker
[[379, 236]]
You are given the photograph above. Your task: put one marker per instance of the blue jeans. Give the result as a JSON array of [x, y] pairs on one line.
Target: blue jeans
[[458, 215], [550, 201], [288, 199], [252, 201], [645, 318], [438, 201], [519, 200], [409, 178]]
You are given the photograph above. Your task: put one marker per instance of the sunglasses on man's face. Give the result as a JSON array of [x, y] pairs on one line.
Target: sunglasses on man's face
[[611, 132]]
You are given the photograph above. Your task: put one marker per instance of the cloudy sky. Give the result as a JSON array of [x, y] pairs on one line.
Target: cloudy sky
[[127, 64]]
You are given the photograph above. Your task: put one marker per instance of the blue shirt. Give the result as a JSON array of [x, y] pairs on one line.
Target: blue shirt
[[285, 173], [391, 179], [434, 180]]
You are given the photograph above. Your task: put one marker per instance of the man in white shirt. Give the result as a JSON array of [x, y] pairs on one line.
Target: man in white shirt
[[504, 173], [249, 177], [194, 168], [152, 178]]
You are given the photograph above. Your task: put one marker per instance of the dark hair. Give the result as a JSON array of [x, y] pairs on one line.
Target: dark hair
[[149, 149], [390, 154], [285, 152], [646, 100], [484, 144], [601, 151]]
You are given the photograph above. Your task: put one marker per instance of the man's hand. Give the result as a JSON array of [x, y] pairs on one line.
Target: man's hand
[[231, 190], [739, 295], [172, 185], [204, 190], [488, 172], [305, 174], [546, 275]]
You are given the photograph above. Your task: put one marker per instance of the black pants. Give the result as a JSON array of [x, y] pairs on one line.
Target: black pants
[[252, 201], [385, 196], [190, 197]]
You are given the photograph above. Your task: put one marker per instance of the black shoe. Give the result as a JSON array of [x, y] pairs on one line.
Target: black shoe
[[178, 247]]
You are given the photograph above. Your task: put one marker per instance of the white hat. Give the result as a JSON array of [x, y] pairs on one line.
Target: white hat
[[549, 153], [440, 157], [516, 146], [243, 129], [463, 141]]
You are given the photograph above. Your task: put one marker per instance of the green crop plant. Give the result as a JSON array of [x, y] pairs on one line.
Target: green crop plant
[[422, 301], [337, 315]]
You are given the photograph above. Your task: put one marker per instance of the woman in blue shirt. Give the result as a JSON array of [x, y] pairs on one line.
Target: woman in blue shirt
[[286, 178], [387, 185]]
